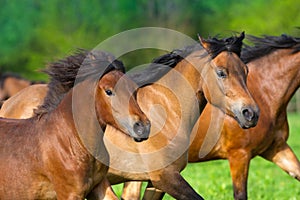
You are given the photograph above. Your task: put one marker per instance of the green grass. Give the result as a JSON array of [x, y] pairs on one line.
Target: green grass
[[266, 181]]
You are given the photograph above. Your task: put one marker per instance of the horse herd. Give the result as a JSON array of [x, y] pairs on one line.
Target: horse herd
[[93, 125]]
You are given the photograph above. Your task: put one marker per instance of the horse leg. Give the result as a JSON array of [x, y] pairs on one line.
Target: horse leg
[[171, 182], [239, 168], [102, 191], [152, 193], [283, 156], [132, 190]]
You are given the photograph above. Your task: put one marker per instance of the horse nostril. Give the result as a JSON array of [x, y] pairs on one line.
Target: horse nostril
[[142, 130], [248, 113], [139, 128]]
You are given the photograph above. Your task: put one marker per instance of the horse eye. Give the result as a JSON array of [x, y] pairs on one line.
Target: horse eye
[[221, 74], [109, 92]]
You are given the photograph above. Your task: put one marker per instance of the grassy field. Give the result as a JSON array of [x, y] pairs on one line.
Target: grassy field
[[266, 181]]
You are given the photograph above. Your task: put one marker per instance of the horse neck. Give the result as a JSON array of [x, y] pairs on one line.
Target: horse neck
[[276, 77], [80, 103], [193, 69], [62, 117], [189, 70], [75, 114], [183, 82]]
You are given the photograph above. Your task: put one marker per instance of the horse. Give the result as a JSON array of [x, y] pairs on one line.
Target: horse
[[10, 84], [270, 58], [52, 155], [20, 107], [173, 90], [274, 77]]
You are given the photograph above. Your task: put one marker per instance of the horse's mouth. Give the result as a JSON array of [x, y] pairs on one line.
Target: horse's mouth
[[244, 124], [247, 117], [141, 131], [139, 139]]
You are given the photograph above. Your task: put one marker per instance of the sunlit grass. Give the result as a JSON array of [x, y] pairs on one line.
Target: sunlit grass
[[266, 181]]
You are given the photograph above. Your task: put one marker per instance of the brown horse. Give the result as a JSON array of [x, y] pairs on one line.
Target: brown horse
[[169, 101], [20, 106], [271, 58], [52, 155], [10, 84]]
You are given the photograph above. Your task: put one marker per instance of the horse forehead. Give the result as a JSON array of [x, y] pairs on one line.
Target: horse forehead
[[230, 61], [111, 78], [118, 81]]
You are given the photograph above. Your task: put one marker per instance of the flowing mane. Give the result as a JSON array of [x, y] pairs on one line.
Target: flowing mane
[[64, 72], [230, 44], [163, 64], [265, 45]]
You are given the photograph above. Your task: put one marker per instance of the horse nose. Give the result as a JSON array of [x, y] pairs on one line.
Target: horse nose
[[142, 130], [249, 114]]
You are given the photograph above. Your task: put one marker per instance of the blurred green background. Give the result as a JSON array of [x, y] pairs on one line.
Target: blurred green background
[[35, 32]]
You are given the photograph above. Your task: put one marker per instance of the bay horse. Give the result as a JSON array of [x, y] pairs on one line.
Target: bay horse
[[21, 105], [50, 156], [274, 77], [174, 89], [10, 84]]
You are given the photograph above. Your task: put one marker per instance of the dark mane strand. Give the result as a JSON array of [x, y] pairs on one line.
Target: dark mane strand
[[230, 44], [79, 66], [162, 65], [267, 44]]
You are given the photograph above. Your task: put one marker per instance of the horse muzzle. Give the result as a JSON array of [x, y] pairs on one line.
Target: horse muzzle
[[141, 130], [247, 116]]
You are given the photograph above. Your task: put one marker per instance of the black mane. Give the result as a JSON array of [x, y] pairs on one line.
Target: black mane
[[230, 44], [63, 73], [163, 64], [265, 45]]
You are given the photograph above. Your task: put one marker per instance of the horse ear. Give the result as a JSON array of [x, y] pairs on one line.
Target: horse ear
[[203, 43], [242, 36], [239, 42]]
